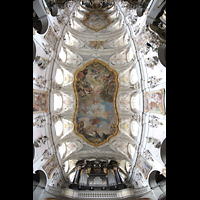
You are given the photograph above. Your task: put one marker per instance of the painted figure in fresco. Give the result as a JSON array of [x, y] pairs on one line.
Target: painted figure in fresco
[[40, 101], [83, 74], [96, 89], [154, 101], [96, 20]]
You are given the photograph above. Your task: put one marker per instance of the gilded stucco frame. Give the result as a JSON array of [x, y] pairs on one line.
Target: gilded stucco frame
[[96, 144], [162, 109], [52, 159], [46, 99], [94, 12], [51, 33], [137, 165]]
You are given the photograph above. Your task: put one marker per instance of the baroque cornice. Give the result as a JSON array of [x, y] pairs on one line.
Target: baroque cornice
[[94, 36], [97, 153], [86, 51]]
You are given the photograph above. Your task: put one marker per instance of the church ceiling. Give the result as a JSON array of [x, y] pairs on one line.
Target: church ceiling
[[100, 99]]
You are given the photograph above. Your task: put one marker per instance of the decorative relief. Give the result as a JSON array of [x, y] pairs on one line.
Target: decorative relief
[[96, 44], [125, 126], [124, 78], [51, 38], [70, 40], [124, 101], [39, 122], [119, 58], [142, 37], [154, 122], [39, 81]]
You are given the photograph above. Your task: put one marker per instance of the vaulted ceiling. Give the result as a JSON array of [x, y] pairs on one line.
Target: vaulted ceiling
[[101, 36], [97, 85]]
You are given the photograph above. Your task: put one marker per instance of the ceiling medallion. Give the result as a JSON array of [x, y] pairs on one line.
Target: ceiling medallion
[[96, 117], [96, 20]]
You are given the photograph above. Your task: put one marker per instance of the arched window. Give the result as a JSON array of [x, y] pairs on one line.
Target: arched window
[[59, 76], [135, 102], [62, 150], [130, 54], [57, 101], [59, 128], [131, 150], [62, 54], [134, 128], [133, 76]]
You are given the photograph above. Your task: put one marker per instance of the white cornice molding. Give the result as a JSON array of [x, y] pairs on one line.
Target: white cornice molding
[[86, 51], [95, 35]]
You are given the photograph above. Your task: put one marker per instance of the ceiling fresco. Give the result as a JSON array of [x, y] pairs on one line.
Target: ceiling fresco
[[99, 95], [96, 20], [96, 118]]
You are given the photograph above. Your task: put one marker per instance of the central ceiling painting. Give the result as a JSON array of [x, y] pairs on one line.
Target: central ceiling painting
[[96, 117]]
